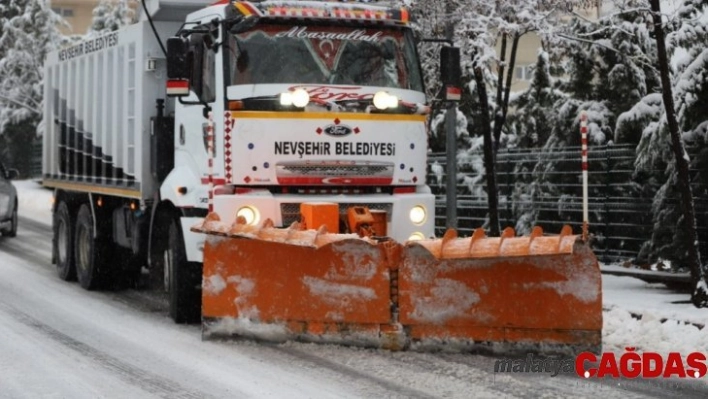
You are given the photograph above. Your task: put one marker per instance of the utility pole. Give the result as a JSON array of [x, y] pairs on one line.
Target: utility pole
[[451, 136]]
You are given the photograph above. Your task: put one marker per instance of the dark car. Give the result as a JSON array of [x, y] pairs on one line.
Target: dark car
[[8, 202]]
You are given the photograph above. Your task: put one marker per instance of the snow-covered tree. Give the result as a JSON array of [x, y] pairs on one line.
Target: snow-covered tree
[[26, 39], [534, 115], [601, 67], [28, 31], [111, 15], [530, 124], [679, 126], [478, 26], [611, 60]]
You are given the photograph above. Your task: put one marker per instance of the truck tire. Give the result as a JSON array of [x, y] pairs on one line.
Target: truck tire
[[89, 252], [63, 243], [182, 279]]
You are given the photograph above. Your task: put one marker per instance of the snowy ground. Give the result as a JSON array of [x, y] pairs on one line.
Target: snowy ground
[[660, 329]]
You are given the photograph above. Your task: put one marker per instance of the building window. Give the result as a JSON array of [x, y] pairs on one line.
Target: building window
[[64, 12], [523, 72]]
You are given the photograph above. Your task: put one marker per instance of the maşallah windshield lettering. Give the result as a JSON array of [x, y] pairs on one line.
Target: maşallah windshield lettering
[[303, 33], [326, 55]]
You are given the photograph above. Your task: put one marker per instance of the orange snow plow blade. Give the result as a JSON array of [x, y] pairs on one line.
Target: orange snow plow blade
[[276, 284], [537, 292]]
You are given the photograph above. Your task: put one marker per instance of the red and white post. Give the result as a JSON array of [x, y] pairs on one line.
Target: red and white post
[[584, 151], [210, 150]]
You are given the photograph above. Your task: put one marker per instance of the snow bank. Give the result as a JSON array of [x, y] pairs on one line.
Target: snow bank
[[638, 297], [651, 318], [650, 334]]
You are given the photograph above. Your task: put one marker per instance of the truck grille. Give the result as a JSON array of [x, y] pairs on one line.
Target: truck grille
[[291, 211], [335, 170]]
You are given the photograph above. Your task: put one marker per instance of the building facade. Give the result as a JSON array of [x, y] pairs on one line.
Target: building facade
[[78, 13]]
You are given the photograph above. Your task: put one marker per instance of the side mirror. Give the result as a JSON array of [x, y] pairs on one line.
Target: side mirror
[[451, 73], [177, 49], [12, 174], [178, 67], [190, 66]]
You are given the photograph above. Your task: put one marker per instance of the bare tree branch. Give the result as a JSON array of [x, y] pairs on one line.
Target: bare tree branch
[[20, 104]]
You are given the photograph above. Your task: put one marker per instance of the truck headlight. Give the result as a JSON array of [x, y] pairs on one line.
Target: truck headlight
[[416, 237], [286, 99], [250, 214], [299, 98], [383, 100], [418, 215]]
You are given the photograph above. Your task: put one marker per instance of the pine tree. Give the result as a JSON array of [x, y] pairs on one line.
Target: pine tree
[[680, 127], [534, 115], [531, 124]]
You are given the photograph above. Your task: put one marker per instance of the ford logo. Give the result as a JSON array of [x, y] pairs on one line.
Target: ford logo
[[337, 130]]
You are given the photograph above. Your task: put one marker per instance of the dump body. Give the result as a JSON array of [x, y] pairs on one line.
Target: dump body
[[100, 97]]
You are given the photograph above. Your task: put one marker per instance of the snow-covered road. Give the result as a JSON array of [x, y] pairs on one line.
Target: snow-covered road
[[60, 341]]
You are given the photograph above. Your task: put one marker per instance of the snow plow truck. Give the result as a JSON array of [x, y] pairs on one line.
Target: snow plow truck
[[265, 163]]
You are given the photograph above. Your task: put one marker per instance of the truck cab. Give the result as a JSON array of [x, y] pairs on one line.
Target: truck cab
[[309, 102]]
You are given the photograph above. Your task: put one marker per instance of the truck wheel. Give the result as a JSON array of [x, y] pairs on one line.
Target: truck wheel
[[63, 243], [89, 252], [12, 231], [182, 279]]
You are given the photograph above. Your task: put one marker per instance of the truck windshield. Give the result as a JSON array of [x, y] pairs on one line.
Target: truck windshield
[[378, 56]]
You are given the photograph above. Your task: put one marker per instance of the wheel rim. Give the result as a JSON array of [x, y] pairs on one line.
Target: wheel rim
[[83, 249], [62, 240]]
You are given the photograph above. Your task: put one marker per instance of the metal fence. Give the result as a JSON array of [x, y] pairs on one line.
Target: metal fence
[[620, 208]]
